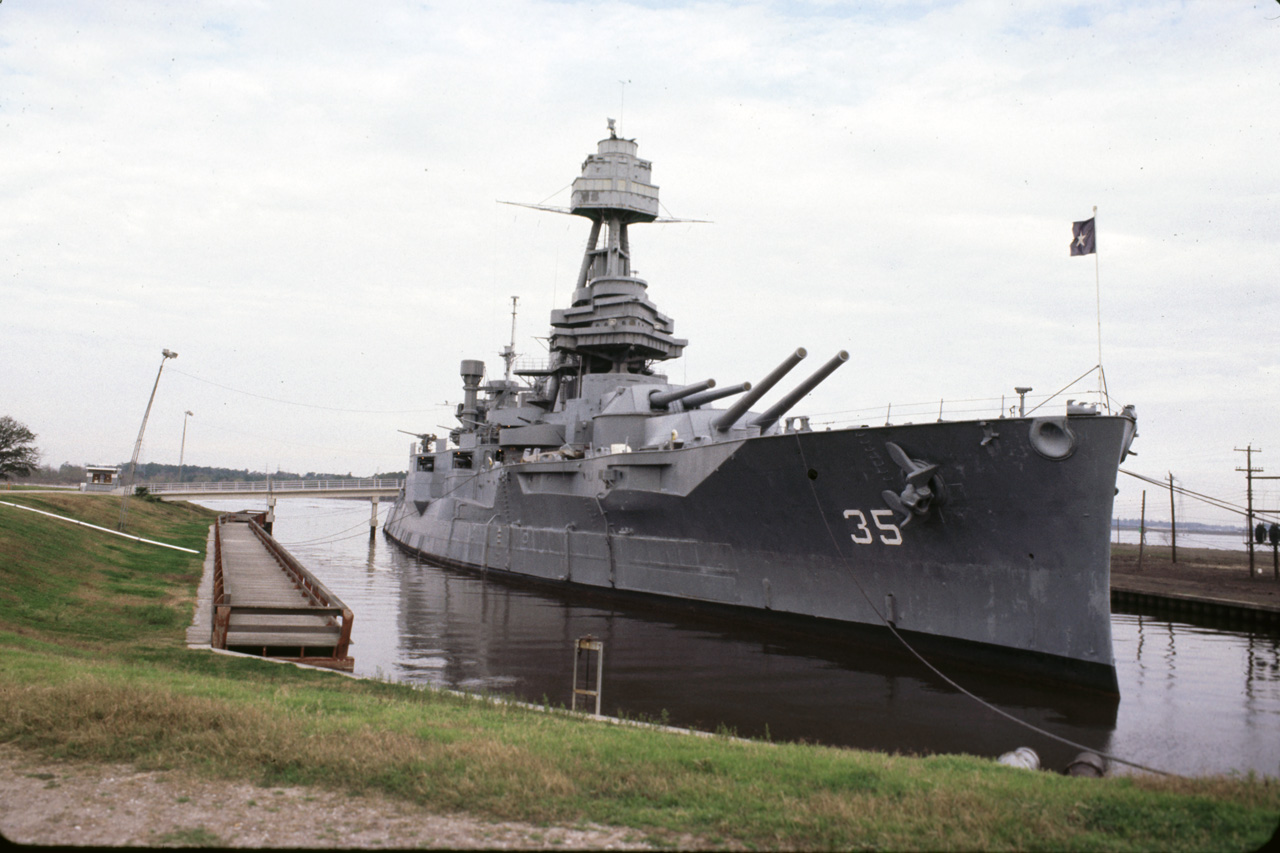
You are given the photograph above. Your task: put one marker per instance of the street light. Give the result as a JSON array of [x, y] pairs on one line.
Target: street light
[[137, 446], [183, 452]]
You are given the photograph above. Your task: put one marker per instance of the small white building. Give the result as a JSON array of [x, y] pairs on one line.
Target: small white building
[[101, 478]]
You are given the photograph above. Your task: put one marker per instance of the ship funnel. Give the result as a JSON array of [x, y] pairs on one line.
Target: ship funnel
[[780, 408], [662, 399], [693, 401], [738, 409], [472, 371]]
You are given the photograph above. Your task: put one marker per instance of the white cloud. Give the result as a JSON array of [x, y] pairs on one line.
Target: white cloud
[[300, 200]]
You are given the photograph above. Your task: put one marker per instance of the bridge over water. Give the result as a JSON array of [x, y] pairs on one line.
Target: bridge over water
[[271, 490]]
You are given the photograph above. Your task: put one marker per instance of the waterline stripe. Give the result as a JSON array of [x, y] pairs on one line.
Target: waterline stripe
[[103, 529]]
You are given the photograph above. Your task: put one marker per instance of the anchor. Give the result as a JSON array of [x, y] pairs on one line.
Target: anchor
[[921, 489]]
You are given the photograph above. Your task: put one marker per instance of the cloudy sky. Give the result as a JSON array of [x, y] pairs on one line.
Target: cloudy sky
[[299, 198]]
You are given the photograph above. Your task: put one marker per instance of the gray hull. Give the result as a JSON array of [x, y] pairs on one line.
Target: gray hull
[[1010, 562]]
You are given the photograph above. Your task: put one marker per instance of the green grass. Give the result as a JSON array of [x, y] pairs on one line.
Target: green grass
[[93, 667]]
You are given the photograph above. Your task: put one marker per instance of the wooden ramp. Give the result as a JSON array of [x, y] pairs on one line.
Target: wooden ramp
[[266, 603]]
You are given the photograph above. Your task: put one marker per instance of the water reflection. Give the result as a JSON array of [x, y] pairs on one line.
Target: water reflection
[[1194, 699], [1197, 698], [460, 631]]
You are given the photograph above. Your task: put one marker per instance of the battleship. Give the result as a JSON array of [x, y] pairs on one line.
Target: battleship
[[986, 540]]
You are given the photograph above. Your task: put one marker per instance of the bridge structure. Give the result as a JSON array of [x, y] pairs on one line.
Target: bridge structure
[[272, 490]]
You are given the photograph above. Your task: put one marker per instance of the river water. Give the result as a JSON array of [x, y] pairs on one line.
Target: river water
[[1194, 699], [1188, 539]]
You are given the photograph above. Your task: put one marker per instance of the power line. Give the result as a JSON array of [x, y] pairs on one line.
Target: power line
[[304, 405], [1212, 501]]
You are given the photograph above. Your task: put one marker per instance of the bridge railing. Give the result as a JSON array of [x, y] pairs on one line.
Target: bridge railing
[[273, 486]]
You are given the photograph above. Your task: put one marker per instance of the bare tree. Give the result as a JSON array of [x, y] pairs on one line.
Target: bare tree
[[18, 454]]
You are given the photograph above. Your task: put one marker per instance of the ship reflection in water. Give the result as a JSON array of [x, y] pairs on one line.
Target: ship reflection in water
[[459, 631], [1193, 700]]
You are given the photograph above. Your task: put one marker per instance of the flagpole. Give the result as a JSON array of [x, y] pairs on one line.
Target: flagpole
[[1097, 290]]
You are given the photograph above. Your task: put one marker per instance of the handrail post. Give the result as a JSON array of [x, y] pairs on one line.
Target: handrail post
[[218, 582], [344, 638]]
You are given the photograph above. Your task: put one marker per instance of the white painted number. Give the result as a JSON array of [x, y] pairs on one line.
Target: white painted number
[[878, 515], [883, 521], [862, 526]]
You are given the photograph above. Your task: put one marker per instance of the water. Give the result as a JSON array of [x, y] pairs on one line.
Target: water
[[1189, 539], [1193, 700]]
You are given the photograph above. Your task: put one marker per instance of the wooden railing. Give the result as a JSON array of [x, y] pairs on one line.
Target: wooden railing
[[322, 601]]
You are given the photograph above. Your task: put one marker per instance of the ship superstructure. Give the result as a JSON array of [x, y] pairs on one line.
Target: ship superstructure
[[983, 538]]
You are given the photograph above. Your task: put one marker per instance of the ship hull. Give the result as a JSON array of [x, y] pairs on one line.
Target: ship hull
[[1008, 565]]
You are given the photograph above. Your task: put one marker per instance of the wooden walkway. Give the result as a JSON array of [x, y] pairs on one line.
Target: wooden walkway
[[267, 603]]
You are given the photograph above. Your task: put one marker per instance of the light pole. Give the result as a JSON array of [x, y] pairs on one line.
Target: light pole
[[137, 446], [183, 452]]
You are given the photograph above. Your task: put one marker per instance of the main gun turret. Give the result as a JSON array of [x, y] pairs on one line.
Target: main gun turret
[[780, 408], [662, 399], [738, 409], [695, 400]]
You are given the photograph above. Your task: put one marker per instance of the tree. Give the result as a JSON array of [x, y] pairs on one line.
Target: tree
[[18, 455]]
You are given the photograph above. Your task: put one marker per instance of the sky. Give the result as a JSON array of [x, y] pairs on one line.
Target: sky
[[300, 199]]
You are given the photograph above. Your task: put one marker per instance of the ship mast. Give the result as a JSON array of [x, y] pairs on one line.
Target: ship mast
[[612, 327]]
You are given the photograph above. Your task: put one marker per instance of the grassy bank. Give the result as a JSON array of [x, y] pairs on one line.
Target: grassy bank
[[93, 666]]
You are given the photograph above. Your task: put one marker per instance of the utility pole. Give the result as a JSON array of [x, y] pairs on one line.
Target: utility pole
[[1173, 521], [1142, 529], [1249, 471], [1254, 536]]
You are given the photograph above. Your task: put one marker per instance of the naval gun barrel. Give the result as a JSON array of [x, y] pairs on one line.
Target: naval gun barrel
[[738, 409], [780, 408], [662, 399], [693, 401]]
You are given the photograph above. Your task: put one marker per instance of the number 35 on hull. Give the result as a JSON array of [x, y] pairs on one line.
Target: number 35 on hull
[[889, 533]]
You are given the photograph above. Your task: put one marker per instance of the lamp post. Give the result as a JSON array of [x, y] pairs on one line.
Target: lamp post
[[183, 452], [137, 446]]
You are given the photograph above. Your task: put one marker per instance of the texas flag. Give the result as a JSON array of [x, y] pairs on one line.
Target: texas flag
[[1082, 238]]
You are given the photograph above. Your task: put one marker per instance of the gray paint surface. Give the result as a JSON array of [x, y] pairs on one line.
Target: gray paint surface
[[595, 470]]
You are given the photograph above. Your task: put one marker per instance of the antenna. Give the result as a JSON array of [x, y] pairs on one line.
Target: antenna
[[622, 101]]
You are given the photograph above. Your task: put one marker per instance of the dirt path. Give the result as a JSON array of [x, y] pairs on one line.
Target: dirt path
[[1199, 573], [46, 802]]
